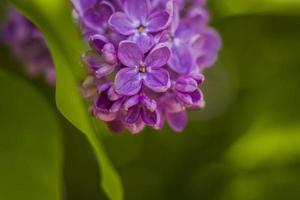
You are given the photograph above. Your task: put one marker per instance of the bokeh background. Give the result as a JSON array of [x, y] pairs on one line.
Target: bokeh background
[[244, 146]]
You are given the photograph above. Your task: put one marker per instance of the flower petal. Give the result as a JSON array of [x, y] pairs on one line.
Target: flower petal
[[197, 98], [133, 114], [112, 94], [127, 82], [171, 104], [136, 127], [211, 46], [185, 84], [116, 126], [93, 60], [137, 9], [82, 5], [150, 104], [149, 117], [103, 103], [157, 80], [184, 98], [145, 41], [105, 116], [212, 40], [132, 101], [104, 70], [181, 59], [97, 42], [98, 15], [184, 31], [177, 121], [158, 21], [121, 23], [129, 54], [192, 99], [158, 57], [199, 78], [116, 106], [109, 53]]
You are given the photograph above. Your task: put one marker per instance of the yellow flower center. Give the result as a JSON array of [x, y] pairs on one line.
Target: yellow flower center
[[142, 69], [141, 29]]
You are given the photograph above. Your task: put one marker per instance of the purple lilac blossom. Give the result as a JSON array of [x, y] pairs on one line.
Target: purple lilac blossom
[[28, 45], [146, 60]]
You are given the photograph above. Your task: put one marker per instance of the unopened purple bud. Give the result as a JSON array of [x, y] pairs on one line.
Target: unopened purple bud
[[109, 53]]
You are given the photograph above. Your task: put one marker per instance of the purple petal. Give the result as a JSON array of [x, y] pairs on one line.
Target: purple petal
[[98, 15], [137, 9], [192, 99], [105, 9], [104, 87], [171, 103], [157, 80], [145, 41], [207, 60], [135, 127], [105, 116], [103, 106], [197, 43], [184, 32], [212, 40], [129, 54], [184, 84], [176, 17], [160, 119], [158, 21], [112, 95], [184, 98], [177, 121], [127, 82], [109, 53], [198, 16], [150, 104], [93, 60], [158, 57], [121, 23], [116, 106], [97, 64], [115, 126], [132, 101], [103, 103], [82, 5], [181, 59], [97, 42], [199, 78], [164, 37], [197, 98], [133, 114], [104, 70], [149, 117]]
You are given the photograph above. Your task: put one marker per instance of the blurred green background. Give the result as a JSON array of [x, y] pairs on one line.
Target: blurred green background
[[244, 146]]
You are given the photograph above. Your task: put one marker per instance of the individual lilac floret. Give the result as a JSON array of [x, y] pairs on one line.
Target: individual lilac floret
[[140, 107], [138, 22], [146, 60], [28, 45], [140, 71]]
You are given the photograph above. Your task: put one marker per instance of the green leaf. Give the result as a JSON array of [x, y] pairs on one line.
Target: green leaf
[[53, 17], [30, 143], [273, 7]]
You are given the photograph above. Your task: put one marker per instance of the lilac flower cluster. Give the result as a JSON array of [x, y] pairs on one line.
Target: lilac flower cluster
[[28, 45], [146, 60]]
